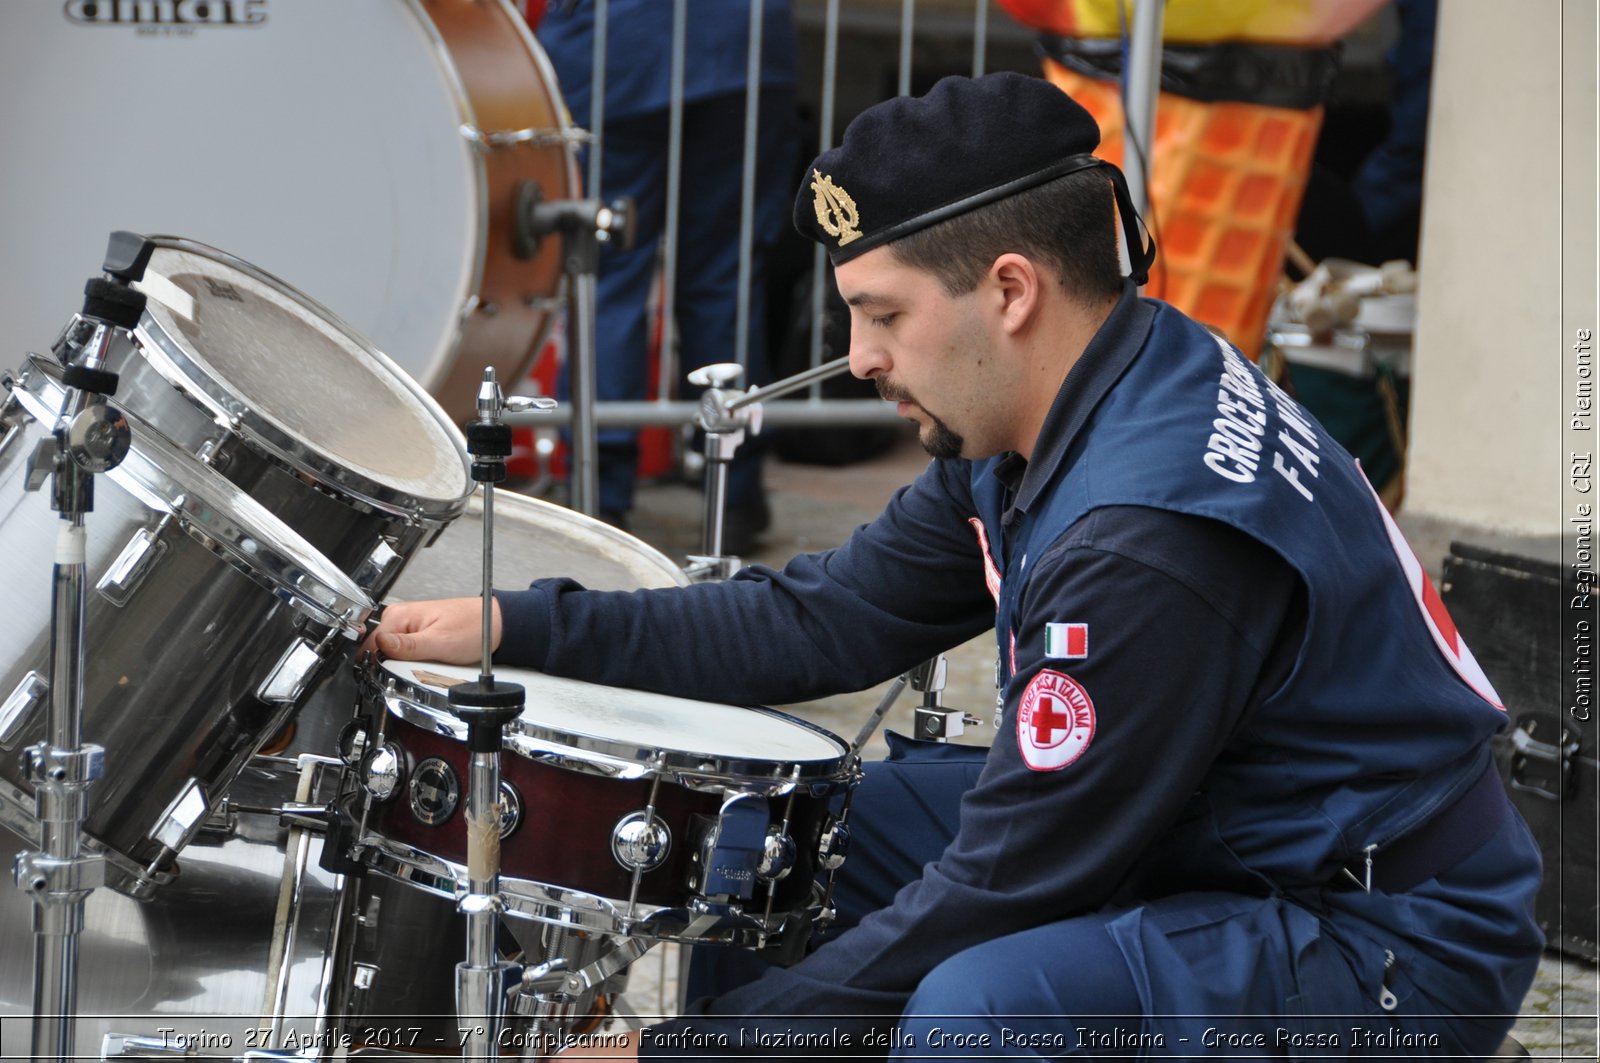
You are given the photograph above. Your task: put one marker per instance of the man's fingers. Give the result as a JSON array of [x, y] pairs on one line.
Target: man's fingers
[[399, 646]]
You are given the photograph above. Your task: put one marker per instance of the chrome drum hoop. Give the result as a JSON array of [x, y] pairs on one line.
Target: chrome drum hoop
[[611, 756], [574, 909]]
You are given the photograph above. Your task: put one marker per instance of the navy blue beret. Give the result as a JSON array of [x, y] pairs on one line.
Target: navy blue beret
[[912, 161]]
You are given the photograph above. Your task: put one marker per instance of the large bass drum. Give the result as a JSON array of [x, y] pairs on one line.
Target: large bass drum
[[369, 149]]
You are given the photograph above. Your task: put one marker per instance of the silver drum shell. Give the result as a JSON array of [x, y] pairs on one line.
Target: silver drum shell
[[178, 683]]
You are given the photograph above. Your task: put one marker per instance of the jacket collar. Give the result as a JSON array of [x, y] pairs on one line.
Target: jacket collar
[[1108, 355]]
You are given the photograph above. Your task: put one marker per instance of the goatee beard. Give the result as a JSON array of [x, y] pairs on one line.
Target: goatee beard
[[942, 441]]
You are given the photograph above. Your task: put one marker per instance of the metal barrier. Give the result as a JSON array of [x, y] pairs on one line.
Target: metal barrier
[[589, 415]]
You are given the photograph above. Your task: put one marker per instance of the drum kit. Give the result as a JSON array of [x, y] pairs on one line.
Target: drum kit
[[287, 831], [233, 833]]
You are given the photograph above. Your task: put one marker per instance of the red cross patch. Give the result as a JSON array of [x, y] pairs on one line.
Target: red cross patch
[[1055, 721]]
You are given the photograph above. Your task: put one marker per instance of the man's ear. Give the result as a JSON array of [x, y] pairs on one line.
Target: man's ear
[[1017, 285]]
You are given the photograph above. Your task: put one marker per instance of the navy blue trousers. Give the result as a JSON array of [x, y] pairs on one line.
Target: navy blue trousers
[[1194, 975]]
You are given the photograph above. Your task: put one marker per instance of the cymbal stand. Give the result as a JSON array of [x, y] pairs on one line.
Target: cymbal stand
[[724, 415], [584, 224], [90, 436], [483, 979]]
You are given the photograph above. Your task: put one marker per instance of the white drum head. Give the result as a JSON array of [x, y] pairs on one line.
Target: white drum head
[[260, 349], [533, 539], [635, 718], [320, 141]]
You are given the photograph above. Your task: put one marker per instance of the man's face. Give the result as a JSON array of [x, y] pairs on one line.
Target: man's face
[[926, 350]]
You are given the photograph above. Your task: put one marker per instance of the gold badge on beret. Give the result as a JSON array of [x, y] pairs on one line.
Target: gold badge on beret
[[836, 210]]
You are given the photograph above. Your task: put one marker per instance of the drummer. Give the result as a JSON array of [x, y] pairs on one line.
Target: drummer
[[1241, 795]]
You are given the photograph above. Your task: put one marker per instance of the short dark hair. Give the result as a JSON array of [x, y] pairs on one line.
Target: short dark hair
[[1067, 223]]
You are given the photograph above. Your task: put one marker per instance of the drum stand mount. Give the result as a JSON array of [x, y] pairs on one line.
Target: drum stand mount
[[483, 980], [724, 415], [90, 437], [553, 995]]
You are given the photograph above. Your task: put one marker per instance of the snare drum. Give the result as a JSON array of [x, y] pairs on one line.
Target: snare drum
[[208, 623], [295, 407], [370, 150], [627, 813]]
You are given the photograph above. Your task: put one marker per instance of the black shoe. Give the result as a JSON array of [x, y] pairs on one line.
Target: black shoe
[[614, 517]]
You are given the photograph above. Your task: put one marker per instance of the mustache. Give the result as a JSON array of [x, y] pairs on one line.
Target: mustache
[[892, 392]]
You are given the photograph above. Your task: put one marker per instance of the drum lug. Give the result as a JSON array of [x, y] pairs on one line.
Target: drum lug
[[566, 137], [214, 457], [382, 771], [777, 857], [378, 566], [510, 809], [183, 818], [835, 844], [42, 463], [352, 743], [29, 694], [641, 841], [362, 978], [132, 565], [290, 676]]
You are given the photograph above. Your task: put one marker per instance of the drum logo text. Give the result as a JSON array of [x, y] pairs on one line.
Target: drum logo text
[[151, 13]]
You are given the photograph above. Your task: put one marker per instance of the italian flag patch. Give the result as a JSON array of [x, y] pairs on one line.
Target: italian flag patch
[[1066, 642]]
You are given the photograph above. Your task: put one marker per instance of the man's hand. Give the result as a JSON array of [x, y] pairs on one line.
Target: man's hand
[[447, 630]]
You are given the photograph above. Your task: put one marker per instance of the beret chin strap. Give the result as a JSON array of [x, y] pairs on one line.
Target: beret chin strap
[[1141, 246]]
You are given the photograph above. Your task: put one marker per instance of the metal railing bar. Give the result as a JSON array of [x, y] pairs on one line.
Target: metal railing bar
[[819, 275], [788, 413], [669, 236], [747, 193], [908, 18], [980, 38]]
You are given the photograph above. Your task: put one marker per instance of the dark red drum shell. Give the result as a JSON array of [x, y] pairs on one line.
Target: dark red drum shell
[[568, 817]]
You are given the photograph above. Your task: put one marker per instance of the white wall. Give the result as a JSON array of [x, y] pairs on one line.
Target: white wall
[[1513, 94]]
